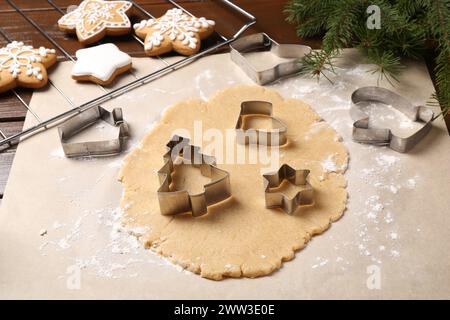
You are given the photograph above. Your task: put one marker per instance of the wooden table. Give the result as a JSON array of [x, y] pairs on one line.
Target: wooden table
[[270, 19]]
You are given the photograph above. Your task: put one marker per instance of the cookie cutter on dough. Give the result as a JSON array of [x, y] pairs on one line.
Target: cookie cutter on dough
[[273, 137], [363, 133], [81, 121], [263, 41], [278, 199], [181, 201]]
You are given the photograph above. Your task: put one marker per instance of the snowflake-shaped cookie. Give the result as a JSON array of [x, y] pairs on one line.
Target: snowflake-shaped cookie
[[93, 19], [24, 66], [175, 30]]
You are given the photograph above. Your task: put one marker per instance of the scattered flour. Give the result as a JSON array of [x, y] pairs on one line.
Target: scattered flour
[[386, 160], [329, 165], [58, 153], [119, 254], [320, 262]]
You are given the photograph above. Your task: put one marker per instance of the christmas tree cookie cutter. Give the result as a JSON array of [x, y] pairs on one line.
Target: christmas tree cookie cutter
[[272, 137], [277, 199], [173, 202], [363, 133], [258, 41], [87, 118]]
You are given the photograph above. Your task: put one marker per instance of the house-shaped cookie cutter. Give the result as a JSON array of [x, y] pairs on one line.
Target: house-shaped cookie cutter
[[258, 41], [87, 118], [363, 133], [270, 137], [277, 199], [172, 202]]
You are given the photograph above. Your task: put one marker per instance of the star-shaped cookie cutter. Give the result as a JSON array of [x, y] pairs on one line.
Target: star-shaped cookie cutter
[[258, 41], [277, 199], [363, 133], [85, 119], [273, 137], [173, 202]]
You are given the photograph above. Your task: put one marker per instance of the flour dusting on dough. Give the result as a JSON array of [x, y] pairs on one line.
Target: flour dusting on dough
[[235, 245]]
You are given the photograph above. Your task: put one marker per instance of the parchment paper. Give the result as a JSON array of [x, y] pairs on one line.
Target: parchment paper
[[392, 242]]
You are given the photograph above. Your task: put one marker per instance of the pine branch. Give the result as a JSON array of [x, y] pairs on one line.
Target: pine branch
[[412, 7], [388, 65], [340, 29], [408, 41], [310, 16], [407, 26], [440, 11], [319, 63]]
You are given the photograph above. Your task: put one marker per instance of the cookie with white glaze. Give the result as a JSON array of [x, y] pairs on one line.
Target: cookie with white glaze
[[24, 66], [100, 64], [94, 19], [176, 31]]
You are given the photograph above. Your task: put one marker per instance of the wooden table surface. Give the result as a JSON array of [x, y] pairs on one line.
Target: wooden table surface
[[269, 14]]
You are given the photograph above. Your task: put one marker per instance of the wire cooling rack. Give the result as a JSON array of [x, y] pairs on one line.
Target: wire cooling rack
[[108, 94]]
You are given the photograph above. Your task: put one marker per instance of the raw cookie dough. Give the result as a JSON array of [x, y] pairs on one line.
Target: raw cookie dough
[[238, 237]]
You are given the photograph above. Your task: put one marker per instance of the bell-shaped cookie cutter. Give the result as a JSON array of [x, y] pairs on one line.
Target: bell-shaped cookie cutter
[[363, 133], [258, 41], [277, 199], [85, 119], [172, 202], [270, 137]]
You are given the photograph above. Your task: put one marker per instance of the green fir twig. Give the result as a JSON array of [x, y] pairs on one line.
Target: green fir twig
[[407, 29]]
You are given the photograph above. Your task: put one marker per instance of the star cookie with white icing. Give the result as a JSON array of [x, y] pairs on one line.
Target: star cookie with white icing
[[100, 64], [93, 19], [24, 66], [176, 31]]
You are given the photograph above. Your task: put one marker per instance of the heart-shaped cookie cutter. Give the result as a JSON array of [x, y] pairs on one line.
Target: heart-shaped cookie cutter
[[87, 118], [259, 41], [181, 201], [279, 199], [273, 137], [363, 133]]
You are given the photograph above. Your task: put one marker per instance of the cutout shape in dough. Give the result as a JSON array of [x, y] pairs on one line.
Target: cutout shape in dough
[[240, 237]]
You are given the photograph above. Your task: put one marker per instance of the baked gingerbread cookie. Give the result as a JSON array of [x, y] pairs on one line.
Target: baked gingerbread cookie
[[94, 19], [100, 64], [176, 31], [24, 66]]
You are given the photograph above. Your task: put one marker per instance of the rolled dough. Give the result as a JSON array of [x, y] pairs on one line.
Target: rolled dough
[[239, 237]]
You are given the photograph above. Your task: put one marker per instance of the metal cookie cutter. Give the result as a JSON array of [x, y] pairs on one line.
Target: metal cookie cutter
[[180, 201], [263, 41], [85, 119], [383, 136], [280, 200], [274, 137]]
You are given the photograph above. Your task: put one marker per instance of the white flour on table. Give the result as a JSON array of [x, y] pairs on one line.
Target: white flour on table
[[374, 213]]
